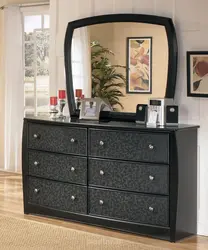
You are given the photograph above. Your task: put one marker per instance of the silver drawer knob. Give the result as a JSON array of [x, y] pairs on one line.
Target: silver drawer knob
[[36, 190], [101, 202], [36, 136], [36, 163], [151, 146], [151, 209], [73, 197], [101, 172], [72, 169], [101, 143], [72, 140], [151, 178]]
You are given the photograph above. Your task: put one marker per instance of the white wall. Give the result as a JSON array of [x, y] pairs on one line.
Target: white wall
[[190, 18]]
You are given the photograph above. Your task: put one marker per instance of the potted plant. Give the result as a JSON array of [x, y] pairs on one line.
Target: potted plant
[[107, 83]]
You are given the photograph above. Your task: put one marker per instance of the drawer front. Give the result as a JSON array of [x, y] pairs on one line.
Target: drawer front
[[58, 139], [145, 209], [57, 195], [129, 176], [135, 146], [58, 167]]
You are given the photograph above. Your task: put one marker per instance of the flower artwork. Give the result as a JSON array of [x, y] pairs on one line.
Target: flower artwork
[[197, 73], [139, 65]]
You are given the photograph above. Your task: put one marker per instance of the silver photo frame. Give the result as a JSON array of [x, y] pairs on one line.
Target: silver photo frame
[[90, 109]]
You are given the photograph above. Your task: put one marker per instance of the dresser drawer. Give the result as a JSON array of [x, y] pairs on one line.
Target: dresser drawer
[[57, 195], [130, 176], [58, 167], [135, 146], [138, 208], [58, 139]]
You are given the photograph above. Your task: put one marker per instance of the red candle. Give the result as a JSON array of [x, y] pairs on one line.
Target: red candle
[[78, 93], [62, 94], [53, 100]]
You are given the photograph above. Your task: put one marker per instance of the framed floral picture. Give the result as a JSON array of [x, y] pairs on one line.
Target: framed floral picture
[[197, 73], [139, 65]]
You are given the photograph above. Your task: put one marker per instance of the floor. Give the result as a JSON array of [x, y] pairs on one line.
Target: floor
[[11, 203]]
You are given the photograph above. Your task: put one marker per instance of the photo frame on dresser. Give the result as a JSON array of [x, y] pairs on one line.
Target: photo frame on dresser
[[197, 73], [90, 109]]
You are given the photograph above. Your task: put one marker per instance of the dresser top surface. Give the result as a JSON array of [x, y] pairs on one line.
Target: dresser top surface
[[108, 124]]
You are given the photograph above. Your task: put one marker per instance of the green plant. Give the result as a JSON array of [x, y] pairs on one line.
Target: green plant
[[106, 81]]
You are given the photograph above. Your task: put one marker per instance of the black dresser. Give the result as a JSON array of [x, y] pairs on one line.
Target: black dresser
[[117, 175]]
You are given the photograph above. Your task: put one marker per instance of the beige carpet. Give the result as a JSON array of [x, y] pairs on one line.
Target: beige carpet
[[23, 234]]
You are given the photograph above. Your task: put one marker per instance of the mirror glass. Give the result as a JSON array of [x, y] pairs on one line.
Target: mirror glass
[[124, 63]]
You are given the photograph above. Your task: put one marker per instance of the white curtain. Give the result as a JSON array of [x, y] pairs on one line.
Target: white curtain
[[14, 88], [81, 61]]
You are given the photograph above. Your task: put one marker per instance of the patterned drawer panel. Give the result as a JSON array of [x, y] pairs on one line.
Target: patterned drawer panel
[[58, 167], [138, 208], [124, 145], [57, 195], [58, 139], [129, 176]]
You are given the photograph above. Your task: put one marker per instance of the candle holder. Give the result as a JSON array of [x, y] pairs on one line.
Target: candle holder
[[53, 107], [78, 102], [53, 111], [62, 103], [78, 95]]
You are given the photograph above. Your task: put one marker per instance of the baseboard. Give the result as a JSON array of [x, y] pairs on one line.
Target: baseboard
[[9, 171]]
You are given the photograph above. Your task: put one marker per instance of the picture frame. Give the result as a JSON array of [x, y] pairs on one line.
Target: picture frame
[[91, 107], [197, 73], [139, 65]]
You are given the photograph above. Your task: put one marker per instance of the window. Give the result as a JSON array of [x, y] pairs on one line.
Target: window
[[36, 62]]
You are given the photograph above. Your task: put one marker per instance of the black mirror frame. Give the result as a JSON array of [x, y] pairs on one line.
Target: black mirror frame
[[150, 19]]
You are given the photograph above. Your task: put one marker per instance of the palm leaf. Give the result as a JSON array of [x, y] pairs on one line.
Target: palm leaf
[[111, 85], [106, 81]]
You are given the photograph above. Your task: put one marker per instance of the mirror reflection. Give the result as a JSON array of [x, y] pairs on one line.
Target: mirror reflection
[[124, 63]]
